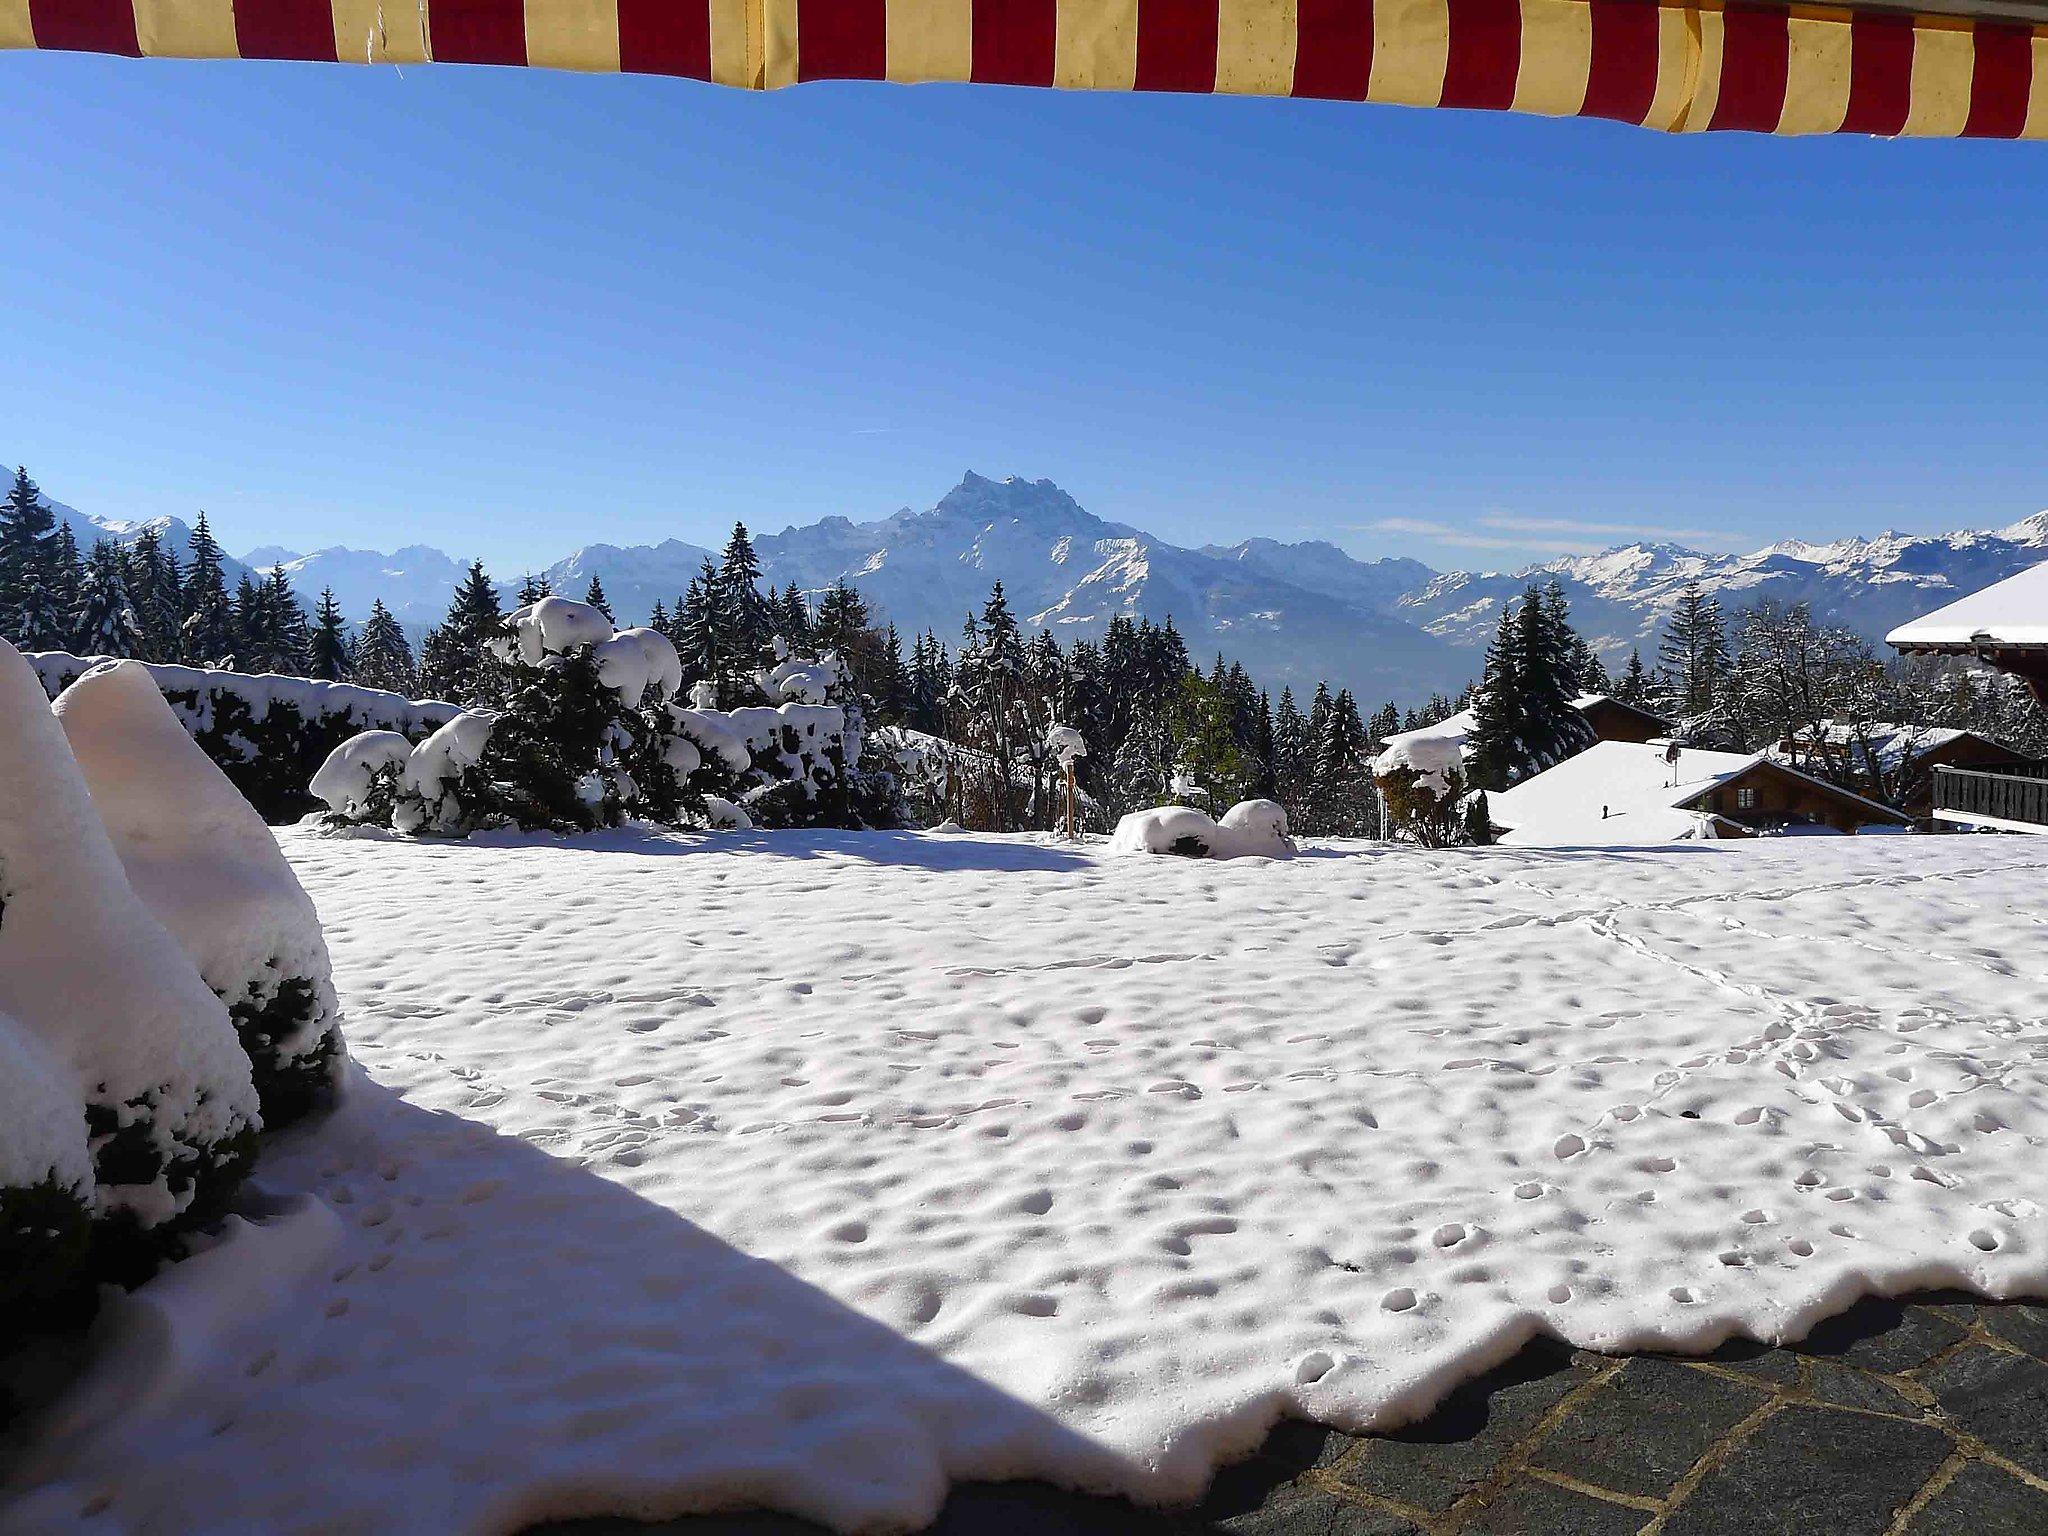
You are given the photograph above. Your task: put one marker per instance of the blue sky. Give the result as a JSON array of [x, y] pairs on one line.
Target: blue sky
[[511, 312]]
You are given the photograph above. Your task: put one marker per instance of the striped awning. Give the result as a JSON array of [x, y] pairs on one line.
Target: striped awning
[[1676, 67]]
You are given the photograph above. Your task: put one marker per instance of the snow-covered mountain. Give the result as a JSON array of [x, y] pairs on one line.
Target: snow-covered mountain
[[1292, 613], [1620, 598], [415, 582], [173, 533], [1065, 569]]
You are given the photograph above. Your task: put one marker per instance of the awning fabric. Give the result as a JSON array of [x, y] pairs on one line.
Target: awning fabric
[[1675, 67]]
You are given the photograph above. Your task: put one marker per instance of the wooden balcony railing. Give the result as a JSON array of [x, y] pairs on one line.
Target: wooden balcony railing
[[2014, 796]]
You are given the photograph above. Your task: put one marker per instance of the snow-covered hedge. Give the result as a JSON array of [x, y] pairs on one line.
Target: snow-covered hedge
[[266, 732], [1249, 829], [45, 1179], [170, 1108], [209, 870], [592, 733]]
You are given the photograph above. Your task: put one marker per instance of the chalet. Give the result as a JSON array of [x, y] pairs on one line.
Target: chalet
[[1620, 792], [2005, 626], [1612, 719], [1895, 763]]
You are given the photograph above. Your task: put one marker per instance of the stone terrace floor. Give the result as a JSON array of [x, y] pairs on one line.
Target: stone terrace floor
[[1920, 1418]]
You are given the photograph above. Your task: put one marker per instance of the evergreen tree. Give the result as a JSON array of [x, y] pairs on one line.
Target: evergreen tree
[[381, 657], [1634, 687], [250, 635], [696, 632], [28, 612], [1523, 714], [792, 618], [988, 680], [453, 662], [532, 590], [596, 598], [207, 624], [658, 621], [891, 687], [742, 619], [106, 619], [66, 573], [327, 653], [1694, 656], [291, 639], [156, 592]]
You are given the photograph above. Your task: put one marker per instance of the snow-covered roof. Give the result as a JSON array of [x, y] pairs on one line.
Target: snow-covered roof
[[1889, 744], [1626, 792], [2012, 613], [1456, 728]]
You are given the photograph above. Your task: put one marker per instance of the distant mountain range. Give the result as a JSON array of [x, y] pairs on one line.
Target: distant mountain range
[[1292, 613]]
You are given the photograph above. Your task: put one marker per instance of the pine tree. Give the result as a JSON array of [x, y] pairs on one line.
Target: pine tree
[[658, 621], [66, 574], [291, 640], [794, 623], [596, 598], [107, 624], [28, 615], [156, 591], [381, 658], [250, 640], [741, 614], [1634, 687], [1694, 655], [453, 662], [696, 632], [206, 626], [327, 654]]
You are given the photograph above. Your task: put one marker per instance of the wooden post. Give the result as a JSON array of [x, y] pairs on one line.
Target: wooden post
[[1073, 829]]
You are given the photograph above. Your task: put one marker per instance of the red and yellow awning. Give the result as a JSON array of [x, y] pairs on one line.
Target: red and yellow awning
[[1677, 67]]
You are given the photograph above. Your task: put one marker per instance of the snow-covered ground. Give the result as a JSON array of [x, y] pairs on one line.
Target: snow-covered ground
[[813, 1170]]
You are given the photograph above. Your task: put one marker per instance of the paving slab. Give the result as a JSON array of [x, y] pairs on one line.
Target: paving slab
[[1921, 1417]]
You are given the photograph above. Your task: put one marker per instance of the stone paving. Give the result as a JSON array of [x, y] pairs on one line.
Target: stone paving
[[1919, 1418]]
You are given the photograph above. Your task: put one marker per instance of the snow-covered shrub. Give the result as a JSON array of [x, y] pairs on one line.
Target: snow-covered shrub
[[209, 870], [360, 778], [1422, 779], [591, 733], [170, 1108], [1249, 829], [45, 1179], [266, 732]]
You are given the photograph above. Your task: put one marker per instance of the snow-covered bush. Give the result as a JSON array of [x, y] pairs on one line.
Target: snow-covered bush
[[45, 1179], [591, 733], [1249, 829], [1422, 779], [170, 1108], [209, 870], [267, 733]]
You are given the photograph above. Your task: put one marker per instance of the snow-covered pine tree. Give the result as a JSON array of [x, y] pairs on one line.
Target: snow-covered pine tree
[[455, 662], [250, 641], [796, 624], [66, 573], [741, 616], [207, 621], [696, 633], [156, 585], [107, 625], [169, 1105], [46, 1185], [208, 869], [1495, 751], [291, 639], [381, 658], [1634, 686], [1552, 655], [328, 649], [28, 610]]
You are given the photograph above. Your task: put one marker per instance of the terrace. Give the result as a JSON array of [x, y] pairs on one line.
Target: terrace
[[2011, 799]]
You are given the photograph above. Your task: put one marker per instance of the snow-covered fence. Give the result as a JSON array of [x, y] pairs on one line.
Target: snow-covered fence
[[268, 733]]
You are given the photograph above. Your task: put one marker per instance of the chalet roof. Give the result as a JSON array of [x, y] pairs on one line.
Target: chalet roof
[[2012, 615], [1625, 792], [1459, 726]]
